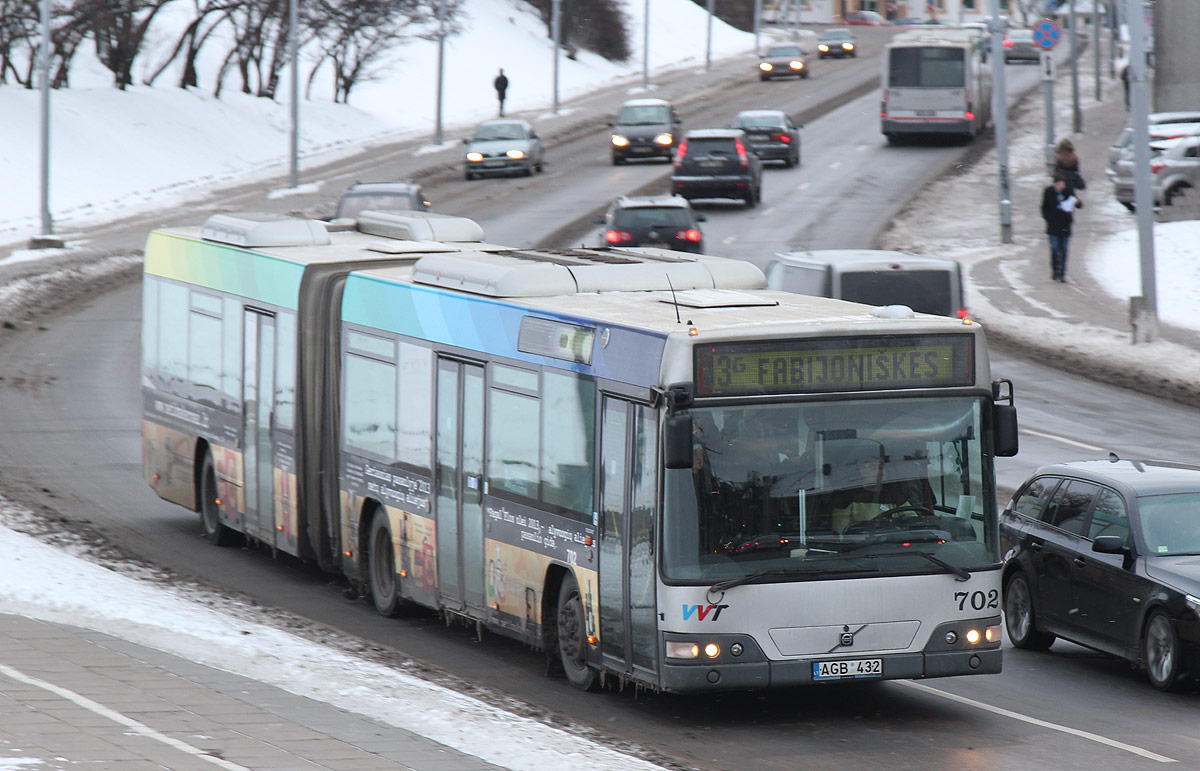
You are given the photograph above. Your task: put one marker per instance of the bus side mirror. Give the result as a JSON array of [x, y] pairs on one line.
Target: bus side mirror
[[1004, 430], [677, 442]]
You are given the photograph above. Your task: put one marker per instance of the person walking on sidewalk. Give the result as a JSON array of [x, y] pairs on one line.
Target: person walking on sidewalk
[[501, 85], [1066, 162], [1059, 203]]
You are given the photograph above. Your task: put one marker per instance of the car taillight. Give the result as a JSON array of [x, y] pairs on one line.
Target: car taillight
[[691, 234], [617, 236], [1008, 44], [781, 138], [1156, 167], [743, 159], [680, 153]]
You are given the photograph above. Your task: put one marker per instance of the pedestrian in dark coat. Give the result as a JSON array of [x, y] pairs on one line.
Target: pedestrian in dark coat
[[1066, 162], [1059, 203], [501, 85]]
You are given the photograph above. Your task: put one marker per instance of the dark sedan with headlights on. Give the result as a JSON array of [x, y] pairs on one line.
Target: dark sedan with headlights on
[[837, 43], [502, 146], [783, 61], [771, 134], [1106, 554]]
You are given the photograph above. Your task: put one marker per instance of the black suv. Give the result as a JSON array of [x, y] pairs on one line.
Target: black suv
[[1103, 553], [645, 128], [717, 163], [665, 221]]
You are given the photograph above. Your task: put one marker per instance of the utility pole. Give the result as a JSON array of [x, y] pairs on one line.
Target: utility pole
[[757, 27], [294, 61], [1096, 44], [646, 46], [708, 46], [441, 68], [1076, 115], [1143, 310], [44, 86], [556, 22], [997, 24]]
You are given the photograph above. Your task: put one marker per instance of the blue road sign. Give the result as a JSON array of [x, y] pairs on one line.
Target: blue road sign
[[1046, 34]]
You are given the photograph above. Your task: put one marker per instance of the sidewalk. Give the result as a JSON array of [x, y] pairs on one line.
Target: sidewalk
[[71, 697], [1077, 325]]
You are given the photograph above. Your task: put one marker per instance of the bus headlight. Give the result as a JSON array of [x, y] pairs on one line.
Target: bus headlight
[[973, 636], [682, 650], [712, 650], [619, 141]]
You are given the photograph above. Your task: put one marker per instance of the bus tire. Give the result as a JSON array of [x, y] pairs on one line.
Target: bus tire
[[381, 566], [572, 636], [210, 510], [1019, 617]]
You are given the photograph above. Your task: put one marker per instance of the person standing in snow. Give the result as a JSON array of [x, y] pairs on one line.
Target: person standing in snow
[[501, 85]]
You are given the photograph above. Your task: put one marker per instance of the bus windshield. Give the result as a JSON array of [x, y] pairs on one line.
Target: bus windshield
[[927, 67], [802, 491]]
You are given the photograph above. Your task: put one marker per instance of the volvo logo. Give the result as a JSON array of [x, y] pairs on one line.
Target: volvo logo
[[846, 638]]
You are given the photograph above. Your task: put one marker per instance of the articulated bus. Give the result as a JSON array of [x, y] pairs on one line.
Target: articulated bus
[[936, 82], [639, 461]]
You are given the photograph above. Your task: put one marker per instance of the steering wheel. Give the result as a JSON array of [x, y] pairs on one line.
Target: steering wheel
[[895, 513]]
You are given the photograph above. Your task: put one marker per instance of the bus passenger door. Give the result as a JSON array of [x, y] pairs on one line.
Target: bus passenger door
[[459, 481], [258, 396], [628, 491]]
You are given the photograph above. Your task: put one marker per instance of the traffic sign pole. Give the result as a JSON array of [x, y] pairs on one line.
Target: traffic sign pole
[[1046, 34]]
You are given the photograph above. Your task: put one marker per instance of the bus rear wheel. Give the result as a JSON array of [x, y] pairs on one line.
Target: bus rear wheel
[[381, 565], [210, 508], [572, 636]]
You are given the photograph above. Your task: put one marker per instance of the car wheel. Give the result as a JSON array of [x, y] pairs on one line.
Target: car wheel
[[804, 75], [617, 159], [751, 199], [528, 171], [1130, 205], [1161, 652], [468, 175], [763, 78], [1175, 190], [1019, 617]]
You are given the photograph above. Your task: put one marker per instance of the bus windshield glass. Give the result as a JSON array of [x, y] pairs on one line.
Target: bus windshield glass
[[927, 67], [802, 491]]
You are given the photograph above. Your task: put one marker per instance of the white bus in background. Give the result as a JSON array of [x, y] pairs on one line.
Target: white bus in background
[[936, 81]]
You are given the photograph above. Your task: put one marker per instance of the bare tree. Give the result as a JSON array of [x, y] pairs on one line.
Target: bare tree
[[119, 29], [19, 40], [207, 17]]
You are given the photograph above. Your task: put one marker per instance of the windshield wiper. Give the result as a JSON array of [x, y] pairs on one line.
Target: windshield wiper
[[960, 573], [729, 583]]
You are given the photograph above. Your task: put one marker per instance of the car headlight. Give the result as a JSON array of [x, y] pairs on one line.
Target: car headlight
[[765, 66], [516, 155], [797, 65], [664, 139], [474, 156], [822, 47], [619, 141], [848, 46]]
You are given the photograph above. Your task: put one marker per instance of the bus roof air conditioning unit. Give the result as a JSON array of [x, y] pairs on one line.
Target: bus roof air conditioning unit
[[263, 229]]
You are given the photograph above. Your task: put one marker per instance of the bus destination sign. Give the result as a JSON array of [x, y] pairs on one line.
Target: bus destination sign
[[878, 363]]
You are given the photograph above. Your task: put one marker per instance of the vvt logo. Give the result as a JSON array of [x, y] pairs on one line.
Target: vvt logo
[[701, 611]]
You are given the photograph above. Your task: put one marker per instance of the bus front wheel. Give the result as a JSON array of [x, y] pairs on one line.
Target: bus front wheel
[[572, 636], [381, 565], [210, 506]]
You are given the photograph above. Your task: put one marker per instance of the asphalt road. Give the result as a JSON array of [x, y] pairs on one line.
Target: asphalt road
[[71, 447]]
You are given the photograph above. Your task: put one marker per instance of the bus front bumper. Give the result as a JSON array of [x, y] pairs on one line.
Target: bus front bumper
[[756, 672]]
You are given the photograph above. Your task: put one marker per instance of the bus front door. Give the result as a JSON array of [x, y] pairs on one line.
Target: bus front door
[[459, 482], [628, 626], [258, 397]]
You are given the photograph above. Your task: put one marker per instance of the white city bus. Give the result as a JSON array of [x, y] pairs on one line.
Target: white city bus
[[936, 81], [637, 460]]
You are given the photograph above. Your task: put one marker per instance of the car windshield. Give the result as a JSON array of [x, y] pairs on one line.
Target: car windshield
[[1023, 35], [354, 204], [644, 115], [836, 34], [925, 291], [488, 132], [1171, 523], [815, 489], [759, 121], [710, 146], [783, 51], [645, 217]]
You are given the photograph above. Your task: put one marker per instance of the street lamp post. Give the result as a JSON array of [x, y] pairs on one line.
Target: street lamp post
[[646, 46], [294, 61], [556, 23], [44, 73], [997, 25], [708, 47], [441, 62]]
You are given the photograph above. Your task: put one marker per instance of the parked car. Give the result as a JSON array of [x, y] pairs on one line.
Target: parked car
[[645, 128], [503, 146], [1162, 125], [1174, 169], [772, 135], [837, 42], [1104, 554], [865, 19], [717, 163], [783, 61], [664, 221], [381, 196], [872, 276], [1019, 46]]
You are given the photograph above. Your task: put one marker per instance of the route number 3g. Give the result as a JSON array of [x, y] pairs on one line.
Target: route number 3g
[[978, 600]]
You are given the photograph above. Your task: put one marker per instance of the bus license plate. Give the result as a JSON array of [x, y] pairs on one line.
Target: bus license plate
[[926, 113], [840, 670]]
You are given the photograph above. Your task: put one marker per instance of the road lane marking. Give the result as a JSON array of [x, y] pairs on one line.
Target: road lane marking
[[767, 212], [835, 164], [804, 186], [1062, 439], [117, 717], [729, 240], [1035, 721]]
